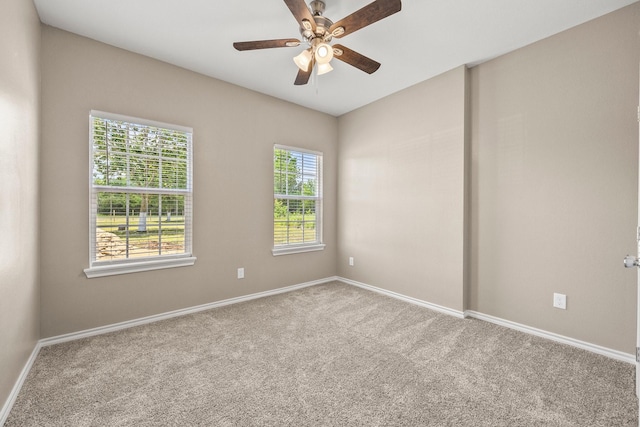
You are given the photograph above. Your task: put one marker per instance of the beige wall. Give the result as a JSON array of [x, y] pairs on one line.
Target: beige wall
[[552, 178], [554, 182], [401, 191], [552, 174], [19, 145], [234, 133]]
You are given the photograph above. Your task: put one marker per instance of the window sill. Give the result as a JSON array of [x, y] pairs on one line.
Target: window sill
[[292, 249], [138, 266]]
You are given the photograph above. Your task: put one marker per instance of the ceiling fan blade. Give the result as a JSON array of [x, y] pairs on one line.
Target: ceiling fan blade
[[352, 57], [266, 44], [373, 12], [303, 76], [302, 14]]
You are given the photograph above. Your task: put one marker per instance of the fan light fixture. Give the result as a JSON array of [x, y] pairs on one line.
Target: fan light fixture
[[303, 60], [322, 53], [324, 68]]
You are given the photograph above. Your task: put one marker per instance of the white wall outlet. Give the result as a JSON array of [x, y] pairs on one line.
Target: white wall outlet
[[560, 301], [241, 273], [351, 261]]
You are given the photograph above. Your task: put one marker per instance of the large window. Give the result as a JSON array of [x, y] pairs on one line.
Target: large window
[[140, 199], [297, 200]]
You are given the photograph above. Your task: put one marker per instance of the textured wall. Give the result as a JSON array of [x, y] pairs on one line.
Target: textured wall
[[401, 191], [234, 133], [554, 181], [19, 145]]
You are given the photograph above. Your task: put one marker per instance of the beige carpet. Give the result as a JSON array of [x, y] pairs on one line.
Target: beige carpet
[[328, 355]]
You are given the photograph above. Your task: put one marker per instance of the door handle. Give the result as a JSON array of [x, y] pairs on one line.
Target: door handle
[[631, 261]]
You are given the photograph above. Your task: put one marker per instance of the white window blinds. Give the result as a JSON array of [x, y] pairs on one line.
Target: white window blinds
[[297, 208], [141, 189]]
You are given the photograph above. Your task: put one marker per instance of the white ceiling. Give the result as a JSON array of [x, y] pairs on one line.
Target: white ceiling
[[426, 38]]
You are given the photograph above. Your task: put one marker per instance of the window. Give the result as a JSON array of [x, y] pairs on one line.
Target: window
[[140, 195], [297, 200]]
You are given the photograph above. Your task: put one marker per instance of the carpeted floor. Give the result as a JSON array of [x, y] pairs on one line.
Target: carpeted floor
[[327, 355]]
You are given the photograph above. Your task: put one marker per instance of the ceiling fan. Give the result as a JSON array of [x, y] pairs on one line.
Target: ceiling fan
[[318, 31]]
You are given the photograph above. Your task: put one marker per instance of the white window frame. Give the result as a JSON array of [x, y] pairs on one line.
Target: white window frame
[[100, 268], [318, 244]]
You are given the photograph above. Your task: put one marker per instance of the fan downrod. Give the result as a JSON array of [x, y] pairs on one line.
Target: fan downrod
[[317, 7]]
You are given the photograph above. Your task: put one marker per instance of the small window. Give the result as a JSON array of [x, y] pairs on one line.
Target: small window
[[140, 195], [297, 200]]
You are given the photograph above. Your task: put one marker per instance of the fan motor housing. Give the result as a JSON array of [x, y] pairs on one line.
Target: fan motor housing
[[322, 29]]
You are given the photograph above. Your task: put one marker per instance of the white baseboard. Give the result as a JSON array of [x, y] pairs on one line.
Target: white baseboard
[[176, 313], [431, 306], [8, 404], [614, 354], [4, 413]]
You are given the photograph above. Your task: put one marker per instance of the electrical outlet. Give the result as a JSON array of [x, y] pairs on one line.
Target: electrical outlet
[[351, 261], [241, 273], [560, 301]]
